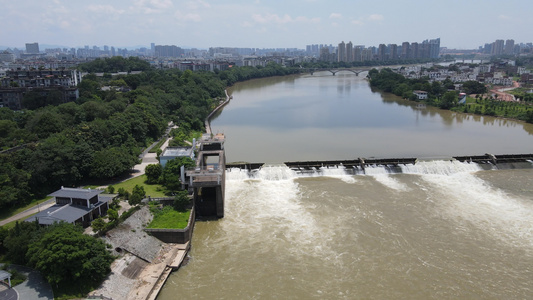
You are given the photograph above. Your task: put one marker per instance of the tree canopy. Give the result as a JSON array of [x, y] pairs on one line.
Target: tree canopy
[[66, 256]]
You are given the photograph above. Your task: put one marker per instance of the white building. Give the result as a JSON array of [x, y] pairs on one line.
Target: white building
[[421, 95]]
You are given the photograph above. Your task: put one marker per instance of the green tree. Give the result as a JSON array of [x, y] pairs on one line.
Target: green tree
[[66, 256], [113, 162], [153, 172], [98, 224], [182, 201], [137, 195], [474, 87], [172, 171], [112, 215], [18, 240], [111, 189], [449, 100], [123, 193]]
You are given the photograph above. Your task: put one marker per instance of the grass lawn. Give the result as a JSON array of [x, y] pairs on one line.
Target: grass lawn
[[170, 218], [6, 213], [157, 146], [153, 190]]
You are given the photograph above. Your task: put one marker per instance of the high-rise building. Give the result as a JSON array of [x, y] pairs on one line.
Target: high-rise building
[[393, 51], [405, 50], [414, 50], [509, 47], [341, 52], [32, 48], [324, 53], [434, 48], [382, 52], [349, 52], [497, 47], [168, 51], [358, 53]]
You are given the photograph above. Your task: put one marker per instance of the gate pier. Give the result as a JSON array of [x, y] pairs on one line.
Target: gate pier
[[208, 178]]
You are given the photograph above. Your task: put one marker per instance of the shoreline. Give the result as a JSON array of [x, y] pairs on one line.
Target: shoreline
[[149, 277], [144, 263]]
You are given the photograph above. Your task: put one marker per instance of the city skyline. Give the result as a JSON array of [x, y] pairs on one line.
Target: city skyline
[[260, 24]]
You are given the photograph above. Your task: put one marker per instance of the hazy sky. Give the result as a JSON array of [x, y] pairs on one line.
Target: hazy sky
[[462, 24]]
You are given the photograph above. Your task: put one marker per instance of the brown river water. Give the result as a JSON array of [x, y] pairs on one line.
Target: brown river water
[[440, 229]]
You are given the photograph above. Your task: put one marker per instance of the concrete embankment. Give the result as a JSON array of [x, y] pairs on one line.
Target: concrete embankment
[[144, 263], [208, 119]]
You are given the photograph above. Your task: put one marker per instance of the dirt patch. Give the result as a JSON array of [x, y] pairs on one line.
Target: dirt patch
[[134, 268]]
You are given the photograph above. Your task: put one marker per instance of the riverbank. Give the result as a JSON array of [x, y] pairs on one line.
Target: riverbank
[[144, 262]]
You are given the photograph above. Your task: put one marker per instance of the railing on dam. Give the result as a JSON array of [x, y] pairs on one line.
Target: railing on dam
[[391, 163]]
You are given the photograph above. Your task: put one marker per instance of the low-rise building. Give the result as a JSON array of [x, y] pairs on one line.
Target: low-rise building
[[421, 95], [75, 206], [174, 152]]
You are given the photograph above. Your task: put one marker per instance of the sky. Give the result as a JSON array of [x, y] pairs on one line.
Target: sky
[[460, 24]]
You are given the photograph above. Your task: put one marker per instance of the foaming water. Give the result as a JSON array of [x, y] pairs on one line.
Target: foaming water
[[391, 182], [467, 198], [440, 167], [434, 231], [274, 203]]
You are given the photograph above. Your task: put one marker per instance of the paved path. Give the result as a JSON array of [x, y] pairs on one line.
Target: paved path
[[35, 287], [28, 212], [7, 293]]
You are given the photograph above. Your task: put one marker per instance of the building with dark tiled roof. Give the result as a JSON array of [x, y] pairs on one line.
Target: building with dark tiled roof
[[76, 206]]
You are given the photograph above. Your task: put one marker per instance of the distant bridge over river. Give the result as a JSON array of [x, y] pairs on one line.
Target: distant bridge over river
[[334, 71]]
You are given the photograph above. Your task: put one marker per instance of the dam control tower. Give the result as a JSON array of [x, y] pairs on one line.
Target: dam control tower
[[208, 178]]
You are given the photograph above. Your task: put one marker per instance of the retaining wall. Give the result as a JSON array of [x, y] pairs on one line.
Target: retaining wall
[[174, 236]]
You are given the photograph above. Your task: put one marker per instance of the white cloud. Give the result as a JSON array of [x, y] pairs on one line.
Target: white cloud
[[151, 6], [105, 9], [504, 17], [276, 19], [335, 16], [187, 16], [375, 17], [357, 22], [198, 4], [272, 18], [162, 4]]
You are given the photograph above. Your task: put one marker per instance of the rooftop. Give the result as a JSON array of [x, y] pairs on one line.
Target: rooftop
[[75, 193], [67, 213], [177, 151]]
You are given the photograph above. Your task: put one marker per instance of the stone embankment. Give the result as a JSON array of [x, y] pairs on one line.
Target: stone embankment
[[144, 263]]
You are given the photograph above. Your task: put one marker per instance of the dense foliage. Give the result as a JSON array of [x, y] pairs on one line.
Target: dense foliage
[[66, 256], [170, 174], [100, 136], [236, 74], [439, 94], [62, 253]]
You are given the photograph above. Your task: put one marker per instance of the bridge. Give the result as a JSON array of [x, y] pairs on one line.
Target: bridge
[[335, 71]]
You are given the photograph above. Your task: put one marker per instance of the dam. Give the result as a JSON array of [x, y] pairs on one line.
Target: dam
[[441, 228]]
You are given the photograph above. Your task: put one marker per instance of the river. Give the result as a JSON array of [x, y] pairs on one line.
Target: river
[[438, 230]]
